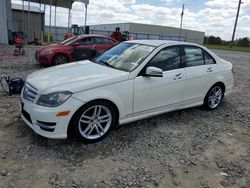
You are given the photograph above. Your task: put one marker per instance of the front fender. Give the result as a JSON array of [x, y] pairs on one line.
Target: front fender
[[121, 94]]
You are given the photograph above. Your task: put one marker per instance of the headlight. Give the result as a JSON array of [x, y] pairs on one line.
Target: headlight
[[54, 99], [45, 52]]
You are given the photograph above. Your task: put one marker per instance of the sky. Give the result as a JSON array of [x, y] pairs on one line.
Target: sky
[[214, 17]]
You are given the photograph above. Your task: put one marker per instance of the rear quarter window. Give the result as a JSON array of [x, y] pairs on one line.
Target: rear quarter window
[[101, 40], [208, 58], [193, 56]]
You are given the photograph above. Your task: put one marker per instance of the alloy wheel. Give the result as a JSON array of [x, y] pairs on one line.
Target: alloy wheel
[[95, 122], [215, 97], [60, 60]]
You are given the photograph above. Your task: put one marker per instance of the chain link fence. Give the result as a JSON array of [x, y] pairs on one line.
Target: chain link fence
[[58, 33]]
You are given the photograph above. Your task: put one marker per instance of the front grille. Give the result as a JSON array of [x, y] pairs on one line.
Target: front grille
[[29, 92]]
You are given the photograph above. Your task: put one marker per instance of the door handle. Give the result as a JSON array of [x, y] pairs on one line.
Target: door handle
[[210, 69], [178, 76]]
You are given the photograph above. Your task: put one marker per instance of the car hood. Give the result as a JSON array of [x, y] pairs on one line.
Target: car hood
[[51, 47], [74, 77]]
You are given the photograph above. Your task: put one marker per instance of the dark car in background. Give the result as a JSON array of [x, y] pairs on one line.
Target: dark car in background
[[73, 49]]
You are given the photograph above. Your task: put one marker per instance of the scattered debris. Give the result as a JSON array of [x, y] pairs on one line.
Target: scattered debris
[[228, 133], [223, 174]]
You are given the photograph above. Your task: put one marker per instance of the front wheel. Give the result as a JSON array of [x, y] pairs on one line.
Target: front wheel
[[214, 97], [94, 121], [60, 59]]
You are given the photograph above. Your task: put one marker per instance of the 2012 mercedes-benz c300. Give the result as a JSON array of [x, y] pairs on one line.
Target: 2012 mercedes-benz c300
[[131, 81]]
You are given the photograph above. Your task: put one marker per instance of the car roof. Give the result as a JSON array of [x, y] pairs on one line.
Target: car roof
[[157, 43], [93, 35]]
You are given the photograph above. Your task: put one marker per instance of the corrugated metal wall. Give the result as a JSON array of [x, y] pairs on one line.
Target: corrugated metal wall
[[20, 23], [110, 27], [9, 14], [189, 35], [146, 31], [3, 22], [57, 32]]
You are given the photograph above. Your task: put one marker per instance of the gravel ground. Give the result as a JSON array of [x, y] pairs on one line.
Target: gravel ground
[[187, 148]]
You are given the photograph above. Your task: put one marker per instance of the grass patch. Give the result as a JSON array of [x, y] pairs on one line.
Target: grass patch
[[226, 47]]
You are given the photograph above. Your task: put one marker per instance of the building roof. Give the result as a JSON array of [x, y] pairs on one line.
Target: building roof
[[26, 8], [59, 3]]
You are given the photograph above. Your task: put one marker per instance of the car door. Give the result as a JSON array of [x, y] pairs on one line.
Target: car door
[[199, 69], [82, 49], [160, 93]]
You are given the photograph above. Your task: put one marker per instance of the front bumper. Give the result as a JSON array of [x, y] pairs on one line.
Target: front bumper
[[43, 120], [43, 59]]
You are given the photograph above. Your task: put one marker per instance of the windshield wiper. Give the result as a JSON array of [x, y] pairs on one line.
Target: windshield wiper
[[107, 64]]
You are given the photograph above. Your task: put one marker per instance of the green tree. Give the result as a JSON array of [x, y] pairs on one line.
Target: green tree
[[213, 40], [244, 42]]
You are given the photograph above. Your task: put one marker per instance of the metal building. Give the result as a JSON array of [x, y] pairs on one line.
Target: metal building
[[30, 21], [5, 8], [146, 31]]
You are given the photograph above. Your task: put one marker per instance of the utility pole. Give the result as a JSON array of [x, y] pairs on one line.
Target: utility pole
[[235, 24], [182, 14], [86, 2], [85, 23]]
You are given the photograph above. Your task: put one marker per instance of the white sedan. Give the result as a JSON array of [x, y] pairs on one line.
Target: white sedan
[[131, 81]]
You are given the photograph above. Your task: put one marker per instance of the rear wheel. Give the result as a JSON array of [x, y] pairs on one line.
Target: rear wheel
[[60, 59], [214, 97], [93, 121]]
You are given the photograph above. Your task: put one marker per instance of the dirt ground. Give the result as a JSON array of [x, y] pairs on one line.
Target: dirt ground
[[188, 148]]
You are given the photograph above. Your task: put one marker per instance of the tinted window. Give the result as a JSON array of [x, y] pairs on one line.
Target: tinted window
[[87, 41], [167, 59], [208, 58], [100, 40], [193, 56], [111, 41]]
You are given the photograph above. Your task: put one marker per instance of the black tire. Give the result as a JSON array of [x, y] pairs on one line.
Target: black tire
[[208, 104], [60, 59], [75, 123]]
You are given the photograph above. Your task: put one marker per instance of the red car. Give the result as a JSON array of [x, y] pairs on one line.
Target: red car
[[68, 50]]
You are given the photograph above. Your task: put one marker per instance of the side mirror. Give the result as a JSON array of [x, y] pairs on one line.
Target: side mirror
[[75, 44], [154, 72]]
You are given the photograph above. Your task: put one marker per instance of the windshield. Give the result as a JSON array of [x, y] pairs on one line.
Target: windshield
[[69, 41], [125, 56]]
